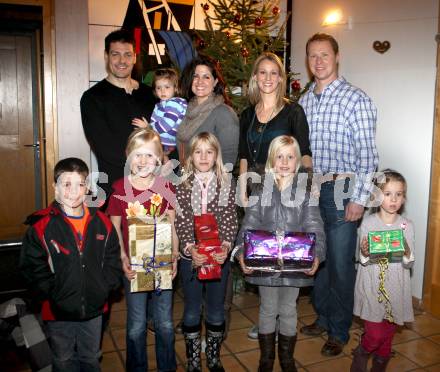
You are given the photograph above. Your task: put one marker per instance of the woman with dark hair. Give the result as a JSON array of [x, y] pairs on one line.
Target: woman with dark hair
[[208, 109]]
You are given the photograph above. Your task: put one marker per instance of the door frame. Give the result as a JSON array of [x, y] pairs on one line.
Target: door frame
[[47, 101]]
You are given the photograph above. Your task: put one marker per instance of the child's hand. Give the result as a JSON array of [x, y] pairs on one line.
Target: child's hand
[[314, 267], [129, 273], [197, 258], [407, 252], [364, 247], [243, 266], [221, 257], [168, 150], [140, 123]]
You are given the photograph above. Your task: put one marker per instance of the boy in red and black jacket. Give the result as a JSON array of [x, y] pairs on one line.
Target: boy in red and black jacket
[[71, 257]]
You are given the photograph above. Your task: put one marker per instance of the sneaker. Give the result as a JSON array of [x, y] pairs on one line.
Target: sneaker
[[253, 333]]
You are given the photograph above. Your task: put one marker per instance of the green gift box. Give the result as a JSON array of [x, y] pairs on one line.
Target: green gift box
[[386, 243]]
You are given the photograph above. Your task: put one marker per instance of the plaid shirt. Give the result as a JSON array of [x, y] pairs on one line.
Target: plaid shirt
[[342, 133]]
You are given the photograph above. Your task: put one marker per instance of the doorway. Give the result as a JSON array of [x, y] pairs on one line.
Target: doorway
[[22, 189]]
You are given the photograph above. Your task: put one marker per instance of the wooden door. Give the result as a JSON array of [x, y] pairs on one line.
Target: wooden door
[[19, 151]]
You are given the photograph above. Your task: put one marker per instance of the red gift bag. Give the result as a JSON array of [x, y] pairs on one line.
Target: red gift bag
[[208, 242]]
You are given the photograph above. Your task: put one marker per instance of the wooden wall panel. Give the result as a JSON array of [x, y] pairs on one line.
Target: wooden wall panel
[[431, 287]]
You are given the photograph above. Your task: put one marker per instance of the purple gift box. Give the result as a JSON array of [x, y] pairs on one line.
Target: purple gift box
[[270, 251]]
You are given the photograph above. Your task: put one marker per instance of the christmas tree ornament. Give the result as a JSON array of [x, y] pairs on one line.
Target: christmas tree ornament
[[244, 52], [296, 86], [205, 6], [228, 35], [259, 21], [237, 18], [201, 43], [275, 10]]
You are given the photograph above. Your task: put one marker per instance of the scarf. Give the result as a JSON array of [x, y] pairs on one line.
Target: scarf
[[194, 118]]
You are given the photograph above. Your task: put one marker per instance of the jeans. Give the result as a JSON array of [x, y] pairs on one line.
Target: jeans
[[333, 293], [137, 304], [75, 345], [276, 301], [193, 295]]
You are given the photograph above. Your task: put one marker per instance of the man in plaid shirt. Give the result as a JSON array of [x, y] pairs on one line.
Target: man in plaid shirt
[[342, 122]]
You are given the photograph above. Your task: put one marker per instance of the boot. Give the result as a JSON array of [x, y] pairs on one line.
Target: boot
[[214, 338], [286, 347], [360, 360], [267, 350], [193, 348], [379, 363]]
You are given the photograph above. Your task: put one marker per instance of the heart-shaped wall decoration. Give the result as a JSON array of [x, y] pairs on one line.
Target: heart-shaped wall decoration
[[381, 46]]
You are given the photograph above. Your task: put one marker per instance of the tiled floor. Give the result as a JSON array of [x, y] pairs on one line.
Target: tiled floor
[[416, 347]]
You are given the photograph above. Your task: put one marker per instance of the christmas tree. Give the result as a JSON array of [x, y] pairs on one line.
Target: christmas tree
[[237, 33]]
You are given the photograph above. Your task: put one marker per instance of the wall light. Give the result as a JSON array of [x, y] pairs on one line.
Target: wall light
[[335, 18]]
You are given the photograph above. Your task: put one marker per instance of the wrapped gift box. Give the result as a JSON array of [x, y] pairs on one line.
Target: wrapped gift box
[[150, 247], [208, 243], [211, 269], [270, 251], [386, 243]]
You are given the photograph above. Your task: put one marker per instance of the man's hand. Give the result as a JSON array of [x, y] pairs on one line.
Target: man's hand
[[353, 211]]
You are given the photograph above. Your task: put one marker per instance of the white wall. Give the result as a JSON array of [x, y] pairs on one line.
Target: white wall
[[401, 82], [72, 76]]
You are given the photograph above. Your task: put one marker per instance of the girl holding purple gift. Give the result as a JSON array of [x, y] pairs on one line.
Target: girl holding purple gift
[[282, 206]]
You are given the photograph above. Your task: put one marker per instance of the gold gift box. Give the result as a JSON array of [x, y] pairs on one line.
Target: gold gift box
[[150, 246]]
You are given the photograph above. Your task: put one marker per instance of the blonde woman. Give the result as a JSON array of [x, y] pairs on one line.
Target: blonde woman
[[207, 193], [270, 115], [283, 206]]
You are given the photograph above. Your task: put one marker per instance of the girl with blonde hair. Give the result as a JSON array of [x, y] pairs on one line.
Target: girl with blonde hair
[[206, 195], [274, 211], [143, 186]]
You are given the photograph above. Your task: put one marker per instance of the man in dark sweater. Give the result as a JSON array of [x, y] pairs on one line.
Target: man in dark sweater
[[109, 107]]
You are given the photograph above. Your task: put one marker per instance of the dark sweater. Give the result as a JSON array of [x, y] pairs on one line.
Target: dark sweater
[[107, 112], [291, 120]]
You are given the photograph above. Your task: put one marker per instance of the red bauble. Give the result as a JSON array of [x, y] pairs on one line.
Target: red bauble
[[296, 86], [206, 6], [201, 43], [228, 35], [259, 21], [275, 10], [237, 18], [244, 52]]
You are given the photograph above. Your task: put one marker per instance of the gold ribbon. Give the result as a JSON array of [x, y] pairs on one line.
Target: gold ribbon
[[383, 294]]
